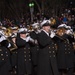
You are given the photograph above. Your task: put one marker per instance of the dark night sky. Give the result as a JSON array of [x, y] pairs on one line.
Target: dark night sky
[[16, 8]]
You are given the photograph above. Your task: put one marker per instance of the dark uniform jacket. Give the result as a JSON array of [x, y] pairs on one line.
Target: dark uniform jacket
[[47, 64], [65, 53], [24, 57], [5, 63], [13, 50], [34, 48]]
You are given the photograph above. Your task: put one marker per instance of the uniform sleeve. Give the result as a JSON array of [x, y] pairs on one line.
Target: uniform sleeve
[[43, 40], [20, 42], [5, 43]]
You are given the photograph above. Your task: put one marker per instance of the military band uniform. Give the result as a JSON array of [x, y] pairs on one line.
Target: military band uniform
[[34, 51], [24, 62], [47, 64], [65, 55], [13, 50], [5, 63]]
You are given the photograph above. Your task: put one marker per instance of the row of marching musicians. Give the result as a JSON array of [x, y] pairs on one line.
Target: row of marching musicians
[[40, 52]]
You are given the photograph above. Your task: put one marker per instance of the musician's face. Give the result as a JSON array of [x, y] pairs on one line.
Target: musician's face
[[23, 35], [46, 28]]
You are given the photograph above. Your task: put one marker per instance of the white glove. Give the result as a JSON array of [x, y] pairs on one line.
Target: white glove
[[9, 45], [31, 40], [68, 32], [36, 42], [27, 39], [52, 34]]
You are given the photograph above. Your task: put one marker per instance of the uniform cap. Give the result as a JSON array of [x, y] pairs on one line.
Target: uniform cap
[[13, 28], [62, 26], [23, 30], [46, 23], [35, 25]]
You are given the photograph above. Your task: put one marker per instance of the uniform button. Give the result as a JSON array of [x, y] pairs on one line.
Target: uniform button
[[49, 51], [24, 48], [25, 59], [37, 49], [6, 52], [50, 56], [53, 47], [65, 45], [24, 51], [69, 52], [53, 51], [65, 49], [7, 55], [53, 55], [65, 52], [2, 58], [52, 43], [29, 55], [29, 59], [28, 48], [25, 56], [0, 50], [1, 54], [29, 51], [49, 47], [16, 52], [37, 46]]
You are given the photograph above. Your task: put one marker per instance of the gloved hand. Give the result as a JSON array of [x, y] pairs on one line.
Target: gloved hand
[[27, 39], [52, 34]]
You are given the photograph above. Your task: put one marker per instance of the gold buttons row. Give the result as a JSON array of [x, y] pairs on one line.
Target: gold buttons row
[[67, 52], [52, 56], [28, 48], [26, 60], [52, 52], [52, 47], [25, 52]]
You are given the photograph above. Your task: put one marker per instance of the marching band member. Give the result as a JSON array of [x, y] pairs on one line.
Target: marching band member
[[34, 46], [5, 63], [47, 63], [65, 52], [13, 50], [24, 62]]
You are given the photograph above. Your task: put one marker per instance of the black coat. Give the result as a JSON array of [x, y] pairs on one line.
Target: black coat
[[5, 62], [65, 53], [34, 48], [47, 64], [13, 50], [24, 62]]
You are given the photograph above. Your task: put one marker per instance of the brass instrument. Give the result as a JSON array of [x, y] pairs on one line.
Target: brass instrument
[[8, 32], [59, 33], [13, 45]]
